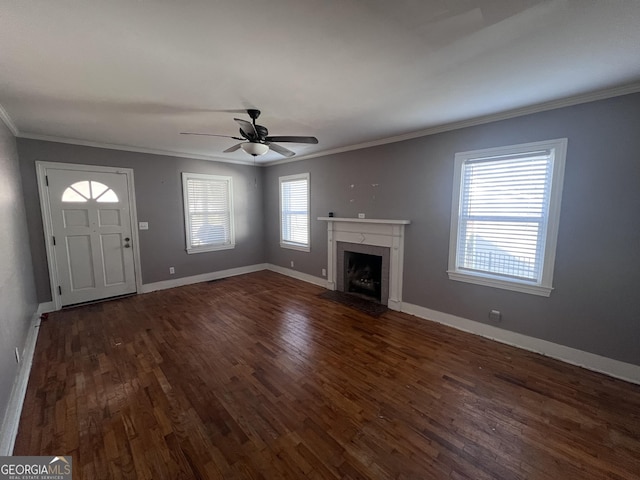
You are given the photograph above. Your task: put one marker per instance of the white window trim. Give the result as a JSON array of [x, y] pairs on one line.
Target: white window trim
[[291, 245], [544, 287], [187, 219]]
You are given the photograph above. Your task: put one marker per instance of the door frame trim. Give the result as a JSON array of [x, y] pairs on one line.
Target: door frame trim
[[45, 208]]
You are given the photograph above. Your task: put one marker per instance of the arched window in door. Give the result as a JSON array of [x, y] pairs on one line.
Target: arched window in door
[[89, 190]]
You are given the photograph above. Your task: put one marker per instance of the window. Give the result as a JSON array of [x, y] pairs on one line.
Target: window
[[89, 190], [208, 212], [294, 212], [504, 222]]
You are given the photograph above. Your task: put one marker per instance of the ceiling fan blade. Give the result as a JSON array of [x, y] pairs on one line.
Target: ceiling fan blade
[[231, 110], [313, 140], [281, 150], [247, 128], [210, 135], [232, 149]]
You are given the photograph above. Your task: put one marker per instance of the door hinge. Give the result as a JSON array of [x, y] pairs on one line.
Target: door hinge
[[54, 240], [59, 290], [46, 180]]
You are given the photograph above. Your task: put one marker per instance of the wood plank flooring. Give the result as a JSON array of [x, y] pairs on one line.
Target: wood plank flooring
[[257, 377]]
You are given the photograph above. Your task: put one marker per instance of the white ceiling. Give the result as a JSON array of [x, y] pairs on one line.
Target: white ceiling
[[135, 74]]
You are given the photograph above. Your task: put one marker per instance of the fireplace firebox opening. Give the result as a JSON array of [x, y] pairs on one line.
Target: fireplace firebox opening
[[363, 275]]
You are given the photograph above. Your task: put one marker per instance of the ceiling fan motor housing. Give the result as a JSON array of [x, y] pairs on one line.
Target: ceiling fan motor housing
[[260, 130]]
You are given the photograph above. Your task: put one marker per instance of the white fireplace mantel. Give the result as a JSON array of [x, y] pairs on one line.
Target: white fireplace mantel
[[365, 220], [369, 231]]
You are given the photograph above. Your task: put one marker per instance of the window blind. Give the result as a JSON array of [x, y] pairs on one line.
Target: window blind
[[504, 206], [294, 204], [208, 210]]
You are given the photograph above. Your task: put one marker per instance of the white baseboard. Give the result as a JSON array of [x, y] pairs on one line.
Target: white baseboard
[[16, 400], [205, 277], [305, 277], [590, 361], [46, 307], [394, 305]]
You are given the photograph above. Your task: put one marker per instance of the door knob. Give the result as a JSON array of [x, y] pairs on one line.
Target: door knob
[[126, 245], [127, 239]]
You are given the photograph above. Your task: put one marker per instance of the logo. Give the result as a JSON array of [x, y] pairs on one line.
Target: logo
[[36, 468]]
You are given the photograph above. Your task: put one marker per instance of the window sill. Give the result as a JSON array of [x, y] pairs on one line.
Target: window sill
[[515, 286], [293, 246], [212, 248]]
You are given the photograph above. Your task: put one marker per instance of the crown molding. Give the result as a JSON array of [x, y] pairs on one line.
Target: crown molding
[[128, 148], [494, 117], [518, 112], [6, 119]]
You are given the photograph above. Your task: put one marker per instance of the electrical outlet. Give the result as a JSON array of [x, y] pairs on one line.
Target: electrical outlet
[[292, 264], [361, 215], [324, 272], [17, 355], [495, 315], [172, 270]]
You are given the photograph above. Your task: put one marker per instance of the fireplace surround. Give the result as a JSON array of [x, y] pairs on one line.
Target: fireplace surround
[[360, 232]]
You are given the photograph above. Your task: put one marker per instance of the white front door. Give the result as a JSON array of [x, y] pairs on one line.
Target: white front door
[[92, 235]]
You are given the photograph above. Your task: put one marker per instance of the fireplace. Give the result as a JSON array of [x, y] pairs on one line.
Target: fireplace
[[363, 275], [363, 270], [382, 238]]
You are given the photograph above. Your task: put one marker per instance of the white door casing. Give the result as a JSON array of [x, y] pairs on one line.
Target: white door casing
[[91, 243]]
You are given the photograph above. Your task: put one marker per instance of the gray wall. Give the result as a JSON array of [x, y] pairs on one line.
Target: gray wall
[[17, 289], [158, 187], [595, 305]]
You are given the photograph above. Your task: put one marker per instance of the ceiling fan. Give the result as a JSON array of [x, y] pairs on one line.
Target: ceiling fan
[[258, 141]]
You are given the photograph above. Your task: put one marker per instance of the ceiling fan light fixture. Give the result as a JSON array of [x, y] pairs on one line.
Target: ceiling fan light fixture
[[254, 148]]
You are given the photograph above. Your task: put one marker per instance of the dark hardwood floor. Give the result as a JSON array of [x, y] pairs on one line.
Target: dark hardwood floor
[[257, 377]]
